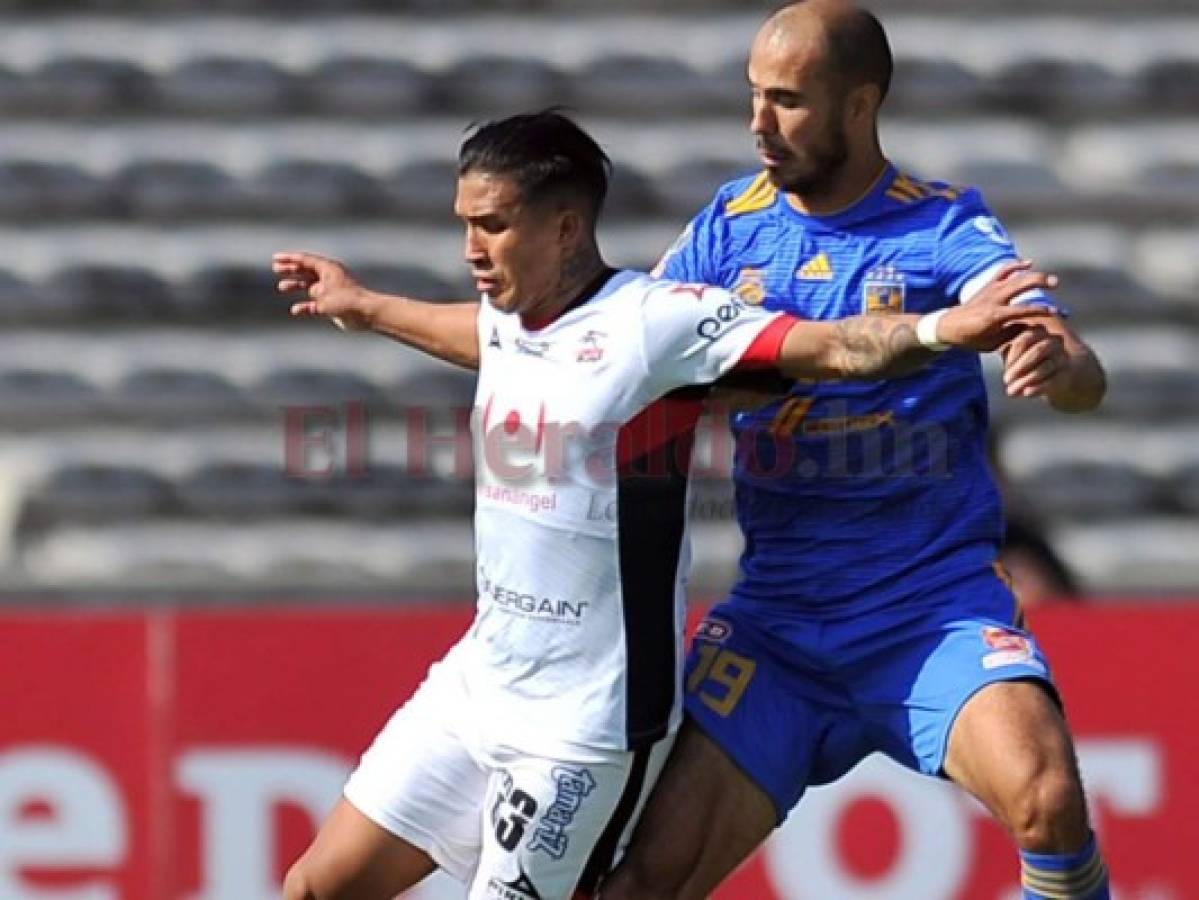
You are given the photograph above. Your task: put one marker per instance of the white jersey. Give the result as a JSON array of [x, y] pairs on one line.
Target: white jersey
[[580, 523]]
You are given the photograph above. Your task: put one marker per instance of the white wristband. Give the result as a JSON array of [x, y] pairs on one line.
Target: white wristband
[[926, 331]]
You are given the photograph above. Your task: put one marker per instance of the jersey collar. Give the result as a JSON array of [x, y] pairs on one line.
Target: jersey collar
[[603, 284], [865, 205]]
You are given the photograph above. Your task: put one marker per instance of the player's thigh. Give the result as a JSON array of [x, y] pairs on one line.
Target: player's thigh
[[552, 827], [751, 689], [353, 858], [422, 780], [704, 817], [757, 722], [1010, 747], [912, 672]]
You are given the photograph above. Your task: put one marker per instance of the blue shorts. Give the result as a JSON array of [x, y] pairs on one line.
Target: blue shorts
[[798, 701]]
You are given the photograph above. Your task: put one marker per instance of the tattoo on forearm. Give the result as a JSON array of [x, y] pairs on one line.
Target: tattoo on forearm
[[878, 346]]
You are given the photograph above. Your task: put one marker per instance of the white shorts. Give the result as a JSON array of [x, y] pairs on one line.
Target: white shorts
[[511, 825]]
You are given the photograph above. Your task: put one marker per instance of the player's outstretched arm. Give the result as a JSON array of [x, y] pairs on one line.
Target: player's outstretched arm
[[445, 330], [870, 347]]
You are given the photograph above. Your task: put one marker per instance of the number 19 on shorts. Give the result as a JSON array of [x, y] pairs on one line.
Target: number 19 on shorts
[[720, 678]]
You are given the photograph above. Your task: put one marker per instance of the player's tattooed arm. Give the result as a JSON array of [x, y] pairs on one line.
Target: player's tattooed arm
[[878, 347], [886, 346], [445, 330]]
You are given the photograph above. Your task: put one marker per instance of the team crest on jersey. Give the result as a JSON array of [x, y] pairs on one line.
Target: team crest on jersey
[[713, 630], [883, 291], [751, 286], [590, 348]]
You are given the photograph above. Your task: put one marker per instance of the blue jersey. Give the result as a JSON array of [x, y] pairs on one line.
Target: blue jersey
[[857, 496]]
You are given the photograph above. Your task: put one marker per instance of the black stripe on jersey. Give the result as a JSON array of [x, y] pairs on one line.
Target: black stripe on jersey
[[604, 852], [593, 287], [651, 508]]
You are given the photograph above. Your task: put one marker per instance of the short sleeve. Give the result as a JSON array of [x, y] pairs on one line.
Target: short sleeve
[[695, 333], [694, 256], [971, 247]]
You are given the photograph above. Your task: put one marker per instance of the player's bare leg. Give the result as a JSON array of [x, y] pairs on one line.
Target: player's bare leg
[[1011, 749], [703, 819], [352, 858]]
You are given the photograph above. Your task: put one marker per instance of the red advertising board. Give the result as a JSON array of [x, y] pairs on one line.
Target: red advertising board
[[79, 758], [162, 755]]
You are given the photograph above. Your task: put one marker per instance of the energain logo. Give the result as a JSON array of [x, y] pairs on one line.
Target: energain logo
[[713, 630]]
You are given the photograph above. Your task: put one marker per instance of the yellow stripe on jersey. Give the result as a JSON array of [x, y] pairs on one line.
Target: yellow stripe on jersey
[[907, 189], [904, 189], [759, 195]]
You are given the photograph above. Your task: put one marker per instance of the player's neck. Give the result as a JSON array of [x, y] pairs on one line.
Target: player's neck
[[846, 189], [581, 275]]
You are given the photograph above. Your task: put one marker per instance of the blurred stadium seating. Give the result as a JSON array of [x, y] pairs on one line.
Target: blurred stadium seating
[[154, 155]]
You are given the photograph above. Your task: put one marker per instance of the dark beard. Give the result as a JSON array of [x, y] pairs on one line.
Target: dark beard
[[827, 162]]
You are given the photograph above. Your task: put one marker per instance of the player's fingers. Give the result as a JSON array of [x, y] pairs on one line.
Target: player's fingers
[[287, 285], [1013, 317], [1028, 337], [1027, 389], [286, 269], [299, 259], [1001, 293], [1016, 365], [306, 308], [1036, 381], [1011, 289], [1039, 389], [1008, 269], [1031, 359]]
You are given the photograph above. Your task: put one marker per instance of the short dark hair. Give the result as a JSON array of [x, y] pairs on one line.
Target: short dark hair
[[858, 51], [545, 153]]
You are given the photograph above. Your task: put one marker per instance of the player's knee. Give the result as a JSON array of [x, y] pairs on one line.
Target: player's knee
[[1048, 812]]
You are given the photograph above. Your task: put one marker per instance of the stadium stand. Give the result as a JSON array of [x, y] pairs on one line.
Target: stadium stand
[[365, 87], [153, 157]]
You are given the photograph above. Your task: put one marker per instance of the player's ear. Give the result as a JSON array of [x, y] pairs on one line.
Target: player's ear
[[864, 102], [571, 225]]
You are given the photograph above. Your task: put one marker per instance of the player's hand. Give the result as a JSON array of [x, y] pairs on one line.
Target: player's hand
[[1032, 360], [989, 320], [332, 290]]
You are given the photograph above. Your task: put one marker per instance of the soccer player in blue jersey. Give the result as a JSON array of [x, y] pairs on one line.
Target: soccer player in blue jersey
[[869, 614]]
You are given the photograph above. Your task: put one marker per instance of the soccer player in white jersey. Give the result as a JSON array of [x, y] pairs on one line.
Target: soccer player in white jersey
[[520, 763]]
